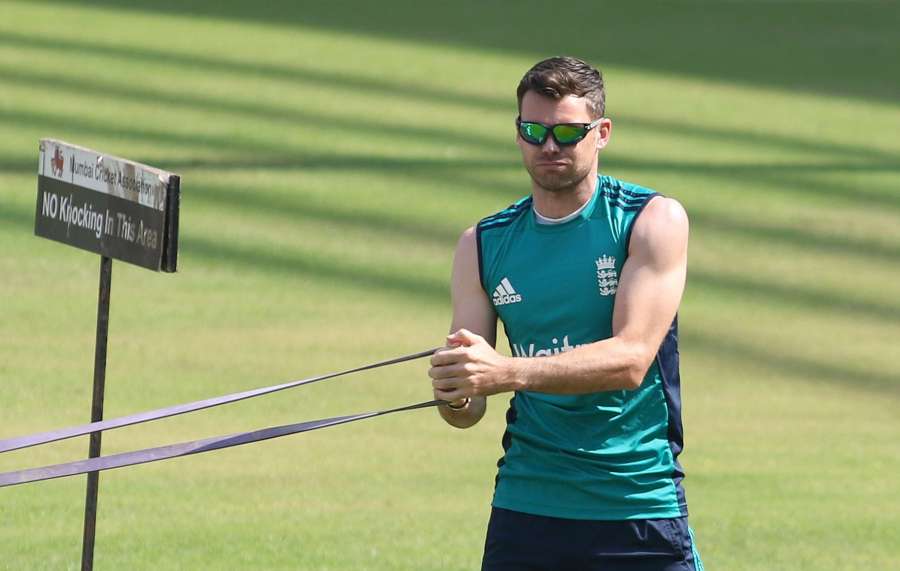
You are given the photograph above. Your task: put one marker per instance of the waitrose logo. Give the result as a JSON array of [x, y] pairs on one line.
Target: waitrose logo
[[521, 350]]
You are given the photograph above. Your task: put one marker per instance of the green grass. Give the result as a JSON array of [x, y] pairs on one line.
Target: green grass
[[329, 159]]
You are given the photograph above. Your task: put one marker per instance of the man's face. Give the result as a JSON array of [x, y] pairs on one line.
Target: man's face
[[554, 167]]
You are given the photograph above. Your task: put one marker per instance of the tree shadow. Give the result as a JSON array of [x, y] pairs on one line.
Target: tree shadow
[[240, 154], [300, 208], [411, 134], [297, 208], [302, 76], [785, 177], [419, 289], [762, 139], [471, 174], [285, 262], [721, 347], [823, 48], [61, 125], [819, 301], [789, 178], [797, 237], [418, 92], [278, 260], [474, 175]]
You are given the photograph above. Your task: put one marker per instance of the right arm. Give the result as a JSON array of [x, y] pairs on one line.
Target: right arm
[[472, 310]]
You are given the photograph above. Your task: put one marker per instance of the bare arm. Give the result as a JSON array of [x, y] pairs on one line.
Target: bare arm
[[650, 290], [472, 311]]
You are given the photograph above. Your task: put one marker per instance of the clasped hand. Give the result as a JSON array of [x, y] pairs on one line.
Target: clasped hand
[[469, 367]]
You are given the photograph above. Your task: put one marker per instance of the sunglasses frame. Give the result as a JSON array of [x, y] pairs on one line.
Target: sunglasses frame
[[552, 133]]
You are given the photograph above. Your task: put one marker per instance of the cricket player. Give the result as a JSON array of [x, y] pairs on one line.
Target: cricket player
[[586, 274]]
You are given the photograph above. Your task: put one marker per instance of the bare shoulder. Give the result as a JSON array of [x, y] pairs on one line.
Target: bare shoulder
[[471, 307], [467, 243], [661, 229], [465, 259], [664, 211], [468, 236]]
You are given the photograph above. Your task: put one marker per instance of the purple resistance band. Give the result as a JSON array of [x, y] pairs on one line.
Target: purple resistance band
[[185, 448], [141, 417]]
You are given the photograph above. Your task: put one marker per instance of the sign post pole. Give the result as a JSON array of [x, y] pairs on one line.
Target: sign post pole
[[121, 210], [93, 478]]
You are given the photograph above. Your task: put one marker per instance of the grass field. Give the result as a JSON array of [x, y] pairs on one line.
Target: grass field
[[330, 156]]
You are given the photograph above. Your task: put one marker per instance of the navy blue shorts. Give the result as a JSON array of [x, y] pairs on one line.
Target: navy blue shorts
[[523, 542]]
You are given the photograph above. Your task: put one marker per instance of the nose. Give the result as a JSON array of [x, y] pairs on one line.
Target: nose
[[550, 146]]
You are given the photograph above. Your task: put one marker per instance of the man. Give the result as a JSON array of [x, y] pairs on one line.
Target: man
[[586, 275]]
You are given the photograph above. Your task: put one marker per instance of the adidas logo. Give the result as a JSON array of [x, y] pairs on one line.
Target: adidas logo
[[505, 293]]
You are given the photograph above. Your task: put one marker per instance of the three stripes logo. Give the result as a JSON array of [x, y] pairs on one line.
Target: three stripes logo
[[505, 294]]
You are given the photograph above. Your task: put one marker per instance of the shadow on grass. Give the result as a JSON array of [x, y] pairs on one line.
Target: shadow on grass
[[282, 261], [428, 169], [61, 126], [423, 93], [885, 383], [821, 302], [461, 171], [285, 262], [475, 174], [417, 289], [796, 237], [823, 48], [877, 161], [784, 177], [279, 260], [758, 139], [282, 114], [302, 77], [245, 154], [296, 207], [405, 229], [777, 175], [469, 174]]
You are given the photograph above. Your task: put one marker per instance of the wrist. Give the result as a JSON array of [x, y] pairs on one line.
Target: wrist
[[515, 374]]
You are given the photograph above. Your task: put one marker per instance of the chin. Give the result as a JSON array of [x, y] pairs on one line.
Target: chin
[[556, 183]]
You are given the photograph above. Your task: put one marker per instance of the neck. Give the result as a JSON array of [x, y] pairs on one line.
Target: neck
[[562, 202]]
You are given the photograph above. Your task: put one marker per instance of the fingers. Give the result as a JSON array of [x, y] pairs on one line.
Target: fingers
[[449, 371], [449, 396], [448, 356], [456, 347], [451, 389], [464, 337], [450, 367], [449, 384]]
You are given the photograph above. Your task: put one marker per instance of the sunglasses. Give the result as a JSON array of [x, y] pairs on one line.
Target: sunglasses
[[563, 133]]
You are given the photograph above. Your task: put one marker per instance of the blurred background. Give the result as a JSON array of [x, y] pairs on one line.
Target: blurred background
[[330, 155]]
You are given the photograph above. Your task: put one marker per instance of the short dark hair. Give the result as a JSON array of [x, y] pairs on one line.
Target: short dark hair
[[560, 76]]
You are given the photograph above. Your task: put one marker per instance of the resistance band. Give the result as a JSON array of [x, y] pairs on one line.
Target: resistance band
[[141, 417], [186, 448]]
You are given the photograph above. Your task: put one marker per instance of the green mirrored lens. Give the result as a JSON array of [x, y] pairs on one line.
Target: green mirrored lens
[[533, 132], [568, 133]]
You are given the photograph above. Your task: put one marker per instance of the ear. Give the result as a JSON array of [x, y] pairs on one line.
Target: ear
[[604, 131]]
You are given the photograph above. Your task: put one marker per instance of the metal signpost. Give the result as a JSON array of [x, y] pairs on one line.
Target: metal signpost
[[116, 208]]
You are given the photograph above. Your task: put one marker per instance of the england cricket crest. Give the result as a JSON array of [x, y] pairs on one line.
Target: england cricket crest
[[607, 280]]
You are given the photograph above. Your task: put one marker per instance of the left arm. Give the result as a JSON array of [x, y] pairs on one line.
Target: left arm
[[649, 293]]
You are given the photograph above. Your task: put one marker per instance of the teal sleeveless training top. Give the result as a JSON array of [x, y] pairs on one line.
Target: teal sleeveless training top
[[603, 456]]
